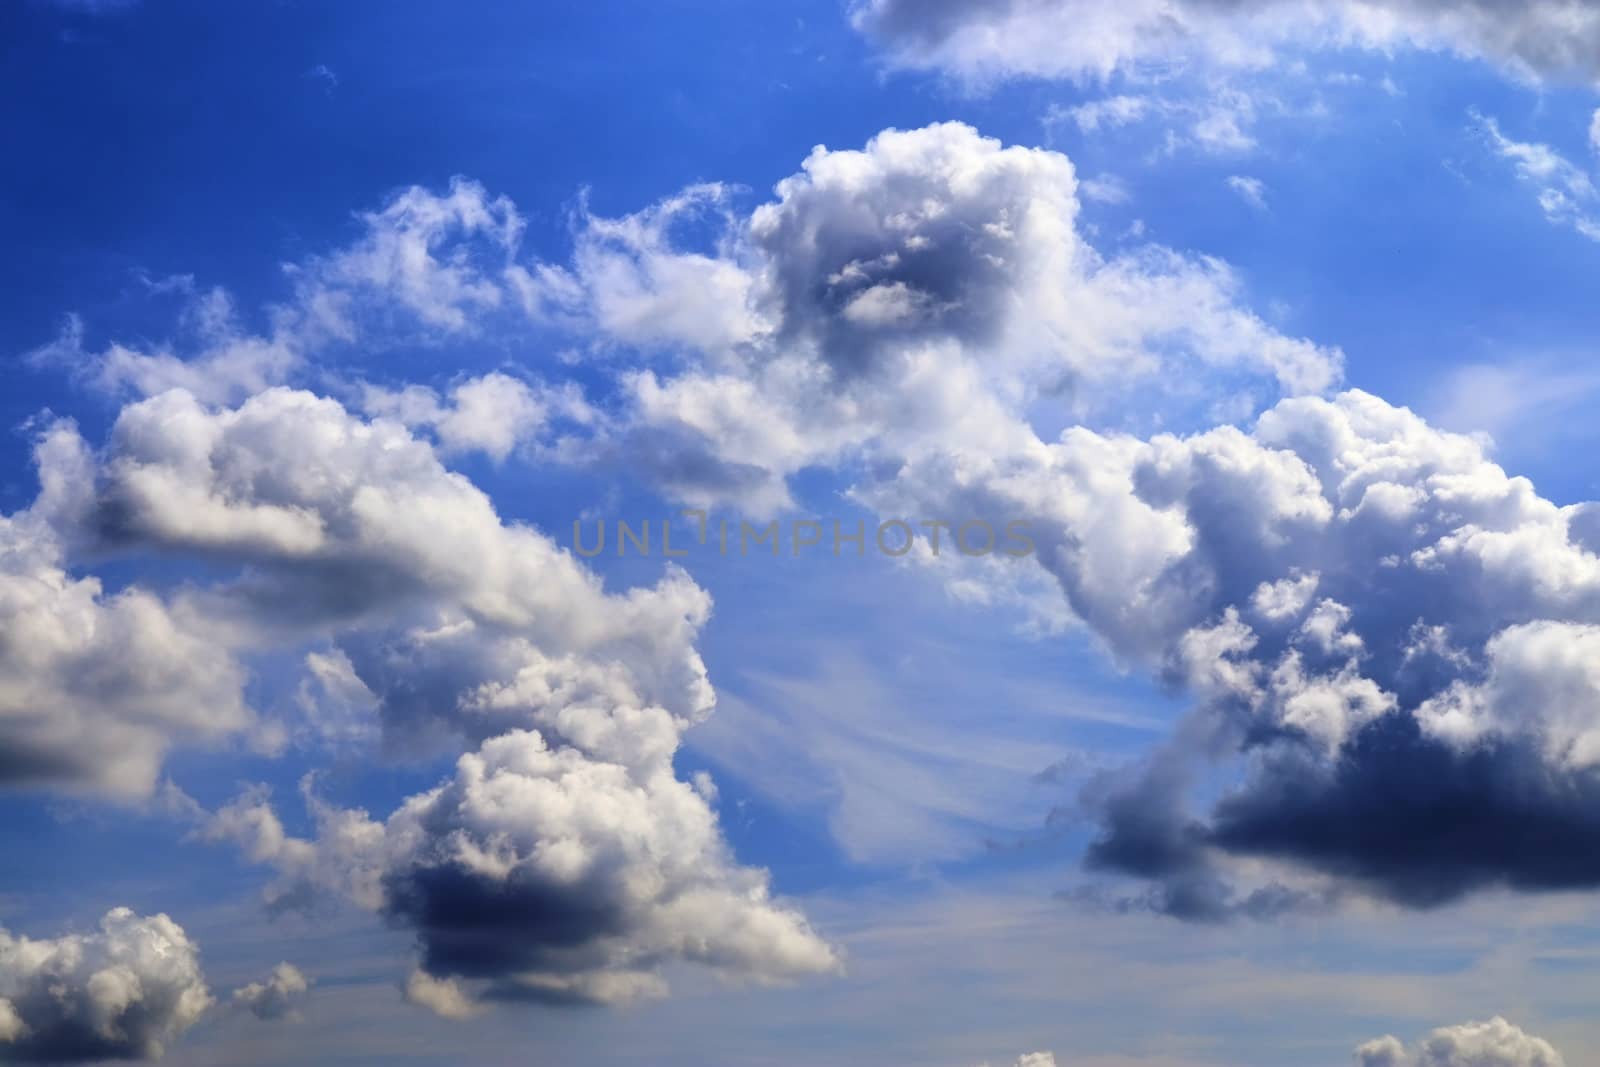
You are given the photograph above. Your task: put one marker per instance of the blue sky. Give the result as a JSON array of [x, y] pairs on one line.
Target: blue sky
[[325, 326]]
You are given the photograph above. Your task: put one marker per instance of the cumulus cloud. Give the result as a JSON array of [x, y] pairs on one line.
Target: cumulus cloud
[[1384, 632], [1362, 604], [1495, 1043], [545, 873], [96, 685], [894, 297], [124, 992], [1391, 629], [1083, 40], [564, 860], [492, 414], [279, 996]]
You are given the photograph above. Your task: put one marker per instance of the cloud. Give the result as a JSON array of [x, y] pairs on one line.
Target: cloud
[[442, 996], [1363, 607], [425, 266], [893, 297], [564, 860], [492, 414], [1251, 190], [629, 280], [1349, 593], [1422, 688], [279, 996], [124, 992], [1495, 1043], [1514, 402], [1565, 192], [979, 43], [95, 685], [1220, 120], [545, 874]]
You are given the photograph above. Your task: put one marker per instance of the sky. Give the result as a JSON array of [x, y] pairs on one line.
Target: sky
[[880, 533]]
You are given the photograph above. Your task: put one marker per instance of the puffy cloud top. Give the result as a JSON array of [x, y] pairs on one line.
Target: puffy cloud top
[[279, 996], [125, 992], [1495, 1043]]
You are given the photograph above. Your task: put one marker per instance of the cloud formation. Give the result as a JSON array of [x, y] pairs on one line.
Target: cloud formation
[[1495, 1043], [125, 992], [1083, 40], [896, 297], [1384, 632], [280, 995], [95, 685], [1565, 191], [564, 860]]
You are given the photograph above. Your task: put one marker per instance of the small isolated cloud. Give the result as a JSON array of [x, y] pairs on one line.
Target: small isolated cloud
[[1495, 1043], [1105, 189], [124, 992], [1251, 190], [278, 996], [323, 75], [1034, 1059]]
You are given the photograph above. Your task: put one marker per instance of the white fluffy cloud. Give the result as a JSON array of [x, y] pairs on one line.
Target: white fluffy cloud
[[900, 296], [564, 860], [1343, 584], [1495, 1043], [95, 685], [546, 873], [1338, 584], [1035, 1059], [280, 995], [124, 992], [1082, 39], [492, 414]]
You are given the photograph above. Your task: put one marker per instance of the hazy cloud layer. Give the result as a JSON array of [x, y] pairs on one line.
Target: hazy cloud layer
[[1081, 39]]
